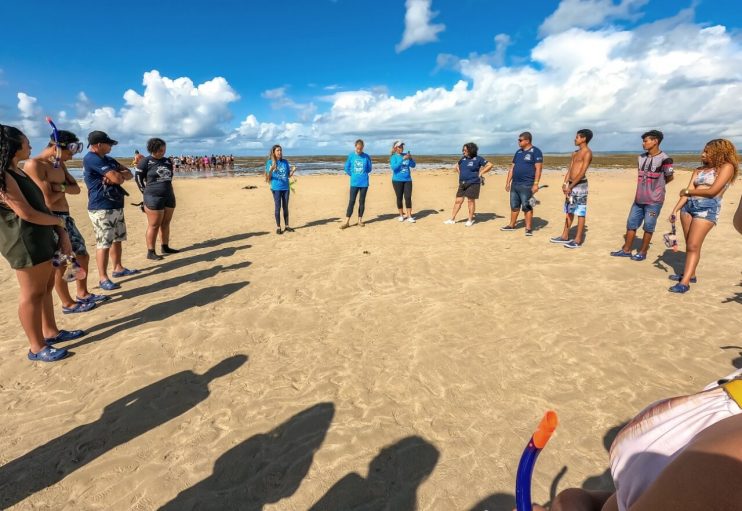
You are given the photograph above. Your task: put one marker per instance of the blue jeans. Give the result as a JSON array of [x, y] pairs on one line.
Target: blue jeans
[[643, 213], [519, 197]]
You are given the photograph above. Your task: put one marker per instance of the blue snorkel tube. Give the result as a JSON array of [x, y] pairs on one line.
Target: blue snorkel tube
[[528, 460], [55, 134]]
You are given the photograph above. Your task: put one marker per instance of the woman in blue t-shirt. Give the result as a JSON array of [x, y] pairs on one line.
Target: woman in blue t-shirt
[[358, 167], [401, 163], [471, 168], [277, 173]]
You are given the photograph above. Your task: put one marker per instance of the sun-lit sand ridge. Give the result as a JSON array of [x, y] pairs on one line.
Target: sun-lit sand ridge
[[398, 364]]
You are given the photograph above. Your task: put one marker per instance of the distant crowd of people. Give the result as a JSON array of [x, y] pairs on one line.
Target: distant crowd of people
[[189, 163]]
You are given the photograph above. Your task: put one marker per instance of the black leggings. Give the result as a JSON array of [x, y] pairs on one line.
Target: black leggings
[[281, 198], [352, 202], [400, 188]]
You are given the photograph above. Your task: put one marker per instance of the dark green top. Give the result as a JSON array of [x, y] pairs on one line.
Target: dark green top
[[22, 243]]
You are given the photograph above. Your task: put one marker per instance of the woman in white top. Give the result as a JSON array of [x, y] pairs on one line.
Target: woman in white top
[[700, 204]]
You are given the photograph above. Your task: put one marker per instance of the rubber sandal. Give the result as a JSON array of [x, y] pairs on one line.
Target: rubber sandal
[[125, 273], [108, 285], [679, 288], [621, 253], [91, 298], [65, 335], [638, 257], [48, 354], [678, 277], [78, 307]]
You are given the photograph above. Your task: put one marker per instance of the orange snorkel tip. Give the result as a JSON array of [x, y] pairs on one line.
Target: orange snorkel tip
[[545, 429]]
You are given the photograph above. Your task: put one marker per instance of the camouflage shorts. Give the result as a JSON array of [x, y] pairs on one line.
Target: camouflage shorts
[[109, 226], [76, 239]]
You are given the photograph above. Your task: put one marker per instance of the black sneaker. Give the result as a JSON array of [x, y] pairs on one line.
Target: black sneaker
[[529, 232], [165, 249], [289, 229], [279, 231], [507, 228], [152, 256]]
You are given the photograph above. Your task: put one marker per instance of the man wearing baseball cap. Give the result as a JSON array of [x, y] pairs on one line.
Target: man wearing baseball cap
[[103, 177]]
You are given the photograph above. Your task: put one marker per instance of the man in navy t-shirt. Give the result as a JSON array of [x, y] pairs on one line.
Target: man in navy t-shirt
[[522, 181], [103, 177]]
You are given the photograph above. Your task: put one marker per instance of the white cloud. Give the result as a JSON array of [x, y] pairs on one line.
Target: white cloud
[[674, 75], [168, 108], [589, 14], [30, 113], [418, 25], [279, 99]]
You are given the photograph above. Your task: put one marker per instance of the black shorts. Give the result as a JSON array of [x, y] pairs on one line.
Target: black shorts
[[160, 200], [468, 190]]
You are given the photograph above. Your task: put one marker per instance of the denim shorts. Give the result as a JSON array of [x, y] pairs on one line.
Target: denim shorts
[[519, 197], [646, 213], [703, 208]]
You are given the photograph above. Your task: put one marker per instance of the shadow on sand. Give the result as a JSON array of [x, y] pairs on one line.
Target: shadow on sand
[[121, 421], [394, 476], [263, 469]]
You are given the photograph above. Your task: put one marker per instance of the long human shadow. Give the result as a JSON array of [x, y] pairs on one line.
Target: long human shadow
[[382, 218], [215, 242], [121, 421], [160, 311], [161, 285], [315, 223], [174, 264], [424, 213], [263, 469], [675, 260], [736, 297], [537, 223], [394, 476]]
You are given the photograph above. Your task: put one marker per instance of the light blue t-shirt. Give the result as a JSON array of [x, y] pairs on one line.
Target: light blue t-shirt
[[401, 167], [358, 167], [280, 176]]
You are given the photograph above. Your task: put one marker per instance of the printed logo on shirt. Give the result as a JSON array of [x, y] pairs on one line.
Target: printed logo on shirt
[[527, 157], [358, 166]]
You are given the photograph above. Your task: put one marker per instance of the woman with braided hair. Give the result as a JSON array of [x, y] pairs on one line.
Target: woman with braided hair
[[29, 236]]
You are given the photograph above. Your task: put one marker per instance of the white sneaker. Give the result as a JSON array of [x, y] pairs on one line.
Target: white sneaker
[[400, 218], [469, 223], [450, 221], [411, 220]]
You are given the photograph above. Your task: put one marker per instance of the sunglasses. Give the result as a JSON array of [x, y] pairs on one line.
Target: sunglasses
[[521, 139]]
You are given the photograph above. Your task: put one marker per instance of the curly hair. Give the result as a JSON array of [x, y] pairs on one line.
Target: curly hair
[[720, 151], [11, 141]]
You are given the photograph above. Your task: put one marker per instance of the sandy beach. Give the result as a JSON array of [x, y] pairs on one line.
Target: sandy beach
[[393, 366]]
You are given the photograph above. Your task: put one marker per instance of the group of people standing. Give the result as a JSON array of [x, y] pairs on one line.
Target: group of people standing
[[38, 233]]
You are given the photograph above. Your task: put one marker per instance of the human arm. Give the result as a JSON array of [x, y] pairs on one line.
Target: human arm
[[509, 178], [738, 217], [723, 176], [37, 172], [16, 201], [408, 157], [348, 164], [487, 167], [668, 169], [367, 165], [683, 198], [577, 173], [539, 167], [395, 162]]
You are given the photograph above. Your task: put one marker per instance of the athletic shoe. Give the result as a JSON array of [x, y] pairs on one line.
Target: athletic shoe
[[572, 244], [558, 239], [621, 253], [152, 256], [507, 228], [679, 288], [469, 223], [450, 221], [411, 220], [400, 218], [529, 232]]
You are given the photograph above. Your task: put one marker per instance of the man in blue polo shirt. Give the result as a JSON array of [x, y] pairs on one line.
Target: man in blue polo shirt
[[103, 177], [522, 181]]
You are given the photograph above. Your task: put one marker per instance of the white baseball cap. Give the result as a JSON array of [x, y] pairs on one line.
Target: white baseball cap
[[397, 144]]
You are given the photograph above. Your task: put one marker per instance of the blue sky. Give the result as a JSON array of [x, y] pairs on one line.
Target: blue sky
[[314, 75]]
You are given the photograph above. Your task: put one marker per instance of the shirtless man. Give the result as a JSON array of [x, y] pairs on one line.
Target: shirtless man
[[575, 191], [56, 183]]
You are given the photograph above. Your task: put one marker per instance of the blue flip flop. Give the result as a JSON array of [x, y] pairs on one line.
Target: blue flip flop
[[48, 354], [79, 307], [124, 273], [64, 336], [621, 253], [93, 298], [678, 277], [638, 257], [108, 285], [679, 288]]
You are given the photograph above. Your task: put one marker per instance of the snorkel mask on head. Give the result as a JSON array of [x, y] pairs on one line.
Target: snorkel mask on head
[[73, 147]]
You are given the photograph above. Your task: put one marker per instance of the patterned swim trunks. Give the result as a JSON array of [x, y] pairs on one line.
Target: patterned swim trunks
[[109, 226], [576, 203], [76, 239]]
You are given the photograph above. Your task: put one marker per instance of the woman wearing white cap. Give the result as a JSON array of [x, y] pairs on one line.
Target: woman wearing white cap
[[401, 164]]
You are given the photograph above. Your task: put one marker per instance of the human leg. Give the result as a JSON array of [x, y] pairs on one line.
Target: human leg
[[698, 231], [33, 283]]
